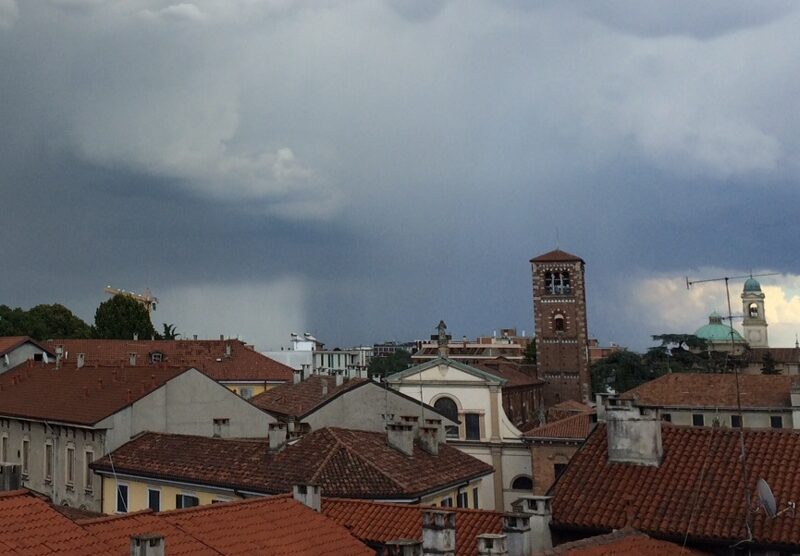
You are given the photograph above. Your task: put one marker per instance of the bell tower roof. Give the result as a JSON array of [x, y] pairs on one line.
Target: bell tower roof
[[556, 256], [752, 285]]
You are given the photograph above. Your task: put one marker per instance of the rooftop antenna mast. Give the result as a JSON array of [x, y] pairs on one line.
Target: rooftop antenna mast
[[727, 279]]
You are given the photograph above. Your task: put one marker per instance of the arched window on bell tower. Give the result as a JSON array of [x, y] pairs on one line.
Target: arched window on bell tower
[[752, 311], [558, 323]]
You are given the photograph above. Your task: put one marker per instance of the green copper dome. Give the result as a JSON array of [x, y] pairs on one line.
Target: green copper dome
[[715, 331], [752, 285]]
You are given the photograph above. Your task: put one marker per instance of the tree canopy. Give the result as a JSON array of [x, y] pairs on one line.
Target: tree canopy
[[529, 353], [398, 361], [621, 371], [120, 318], [42, 322]]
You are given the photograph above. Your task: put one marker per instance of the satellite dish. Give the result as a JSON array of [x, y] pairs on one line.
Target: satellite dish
[[766, 498]]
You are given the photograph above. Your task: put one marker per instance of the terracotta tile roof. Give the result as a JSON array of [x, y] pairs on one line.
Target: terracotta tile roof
[[374, 522], [298, 400], [346, 463], [273, 526], [625, 542], [207, 356], [517, 374], [697, 488], [575, 427], [781, 355], [713, 390], [29, 526], [555, 256], [9, 343], [82, 396], [567, 408]]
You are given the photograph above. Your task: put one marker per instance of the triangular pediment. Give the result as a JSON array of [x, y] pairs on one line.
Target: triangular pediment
[[444, 369]]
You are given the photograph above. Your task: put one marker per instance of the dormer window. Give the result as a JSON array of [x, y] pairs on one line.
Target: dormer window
[[557, 283]]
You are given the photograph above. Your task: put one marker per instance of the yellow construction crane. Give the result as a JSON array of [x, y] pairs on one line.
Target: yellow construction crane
[[146, 299]]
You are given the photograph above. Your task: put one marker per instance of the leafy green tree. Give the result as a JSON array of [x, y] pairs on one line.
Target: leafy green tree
[[769, 365], [120, 318], [42, 322], [529, 354], [169, 332], [398, 361], [621, 371]]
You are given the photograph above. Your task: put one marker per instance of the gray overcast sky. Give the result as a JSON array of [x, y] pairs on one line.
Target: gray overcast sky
[[362, 169]]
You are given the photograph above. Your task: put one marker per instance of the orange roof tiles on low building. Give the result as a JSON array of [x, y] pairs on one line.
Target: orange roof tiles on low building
[[717, 390], [81, 396], [279, 526], [10, 343], [298, 400], [222, 360], [275, 526], [625, 542], [29, 526], [379, 523], [574, 428], [346, 463], [696, 491]]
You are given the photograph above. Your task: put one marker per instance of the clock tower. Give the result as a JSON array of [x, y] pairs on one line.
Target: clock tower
[[559, 316]]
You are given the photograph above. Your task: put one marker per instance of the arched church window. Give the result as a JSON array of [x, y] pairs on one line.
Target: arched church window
[[448, 408], [523, 482], [753, 310], [557, 283], [558, 323]]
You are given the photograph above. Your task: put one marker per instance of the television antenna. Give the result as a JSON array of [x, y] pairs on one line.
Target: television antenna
[[727, 279]]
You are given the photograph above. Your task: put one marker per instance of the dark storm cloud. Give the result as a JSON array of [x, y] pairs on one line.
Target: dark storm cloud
[[363, 169]]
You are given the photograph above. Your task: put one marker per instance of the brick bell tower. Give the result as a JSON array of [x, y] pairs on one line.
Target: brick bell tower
[[559, 316]]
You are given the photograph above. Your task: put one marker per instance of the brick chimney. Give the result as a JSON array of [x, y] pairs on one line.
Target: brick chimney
[[517, 528], [401, 437], [310, 495], [490, 544], [438, 533], [148, 544], [402, 547], [634, 436], [429, 440], [277, 436]]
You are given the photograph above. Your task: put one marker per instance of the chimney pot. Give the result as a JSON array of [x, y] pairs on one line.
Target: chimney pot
[[438, 533], [324, 387], [403, 547], [634, 436], [150, 544], [490, 544], [135, 336], [132, 359], [412, 420], [429, 440], [81, 361], [277, 436], [297, 376], [401, 437], [310, 495], [517, 528], [339, 378]]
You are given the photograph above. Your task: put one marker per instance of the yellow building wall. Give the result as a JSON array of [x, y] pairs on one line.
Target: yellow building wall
[[256, 388], [437, 499], [138, 495]]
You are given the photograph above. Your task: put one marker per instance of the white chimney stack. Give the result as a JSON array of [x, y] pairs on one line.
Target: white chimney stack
[[517, 528], [634, 436], [401, 437], [147, 545], [490, 544], [277, 436], [429, 440], [438, 533], [81, 361], [310, 495], [402, 547]]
